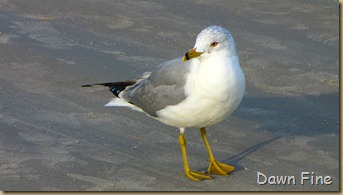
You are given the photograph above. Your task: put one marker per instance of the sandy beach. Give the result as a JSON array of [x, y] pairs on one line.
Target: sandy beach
[[57, 136]]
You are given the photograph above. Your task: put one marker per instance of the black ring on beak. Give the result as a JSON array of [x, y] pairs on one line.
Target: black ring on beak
[[187, 56]]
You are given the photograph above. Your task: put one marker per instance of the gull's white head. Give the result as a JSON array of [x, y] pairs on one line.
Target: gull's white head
[[212, 39]]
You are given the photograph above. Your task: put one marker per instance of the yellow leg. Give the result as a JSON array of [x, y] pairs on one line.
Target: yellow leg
[[215, 167], [196, 176]]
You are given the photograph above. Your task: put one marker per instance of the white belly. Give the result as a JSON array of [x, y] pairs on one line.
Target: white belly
[[213, 95]]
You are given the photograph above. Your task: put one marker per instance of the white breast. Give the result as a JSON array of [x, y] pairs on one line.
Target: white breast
[[213, 90]]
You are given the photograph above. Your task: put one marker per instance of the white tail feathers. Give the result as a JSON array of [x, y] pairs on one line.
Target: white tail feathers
[[117, 102], [120, 102]]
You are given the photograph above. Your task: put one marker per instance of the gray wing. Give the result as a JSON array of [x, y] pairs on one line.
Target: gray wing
[[164, 87]]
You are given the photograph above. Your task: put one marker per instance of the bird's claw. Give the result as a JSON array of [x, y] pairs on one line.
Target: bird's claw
[[220, 168], [197, 176]]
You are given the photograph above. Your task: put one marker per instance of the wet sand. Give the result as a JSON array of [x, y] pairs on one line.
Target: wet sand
[[56, 136]]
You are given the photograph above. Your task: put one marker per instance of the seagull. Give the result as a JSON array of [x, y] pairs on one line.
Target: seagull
[[200, 89]]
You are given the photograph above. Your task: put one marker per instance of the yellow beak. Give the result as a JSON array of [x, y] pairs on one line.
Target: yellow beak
[[191, 54]]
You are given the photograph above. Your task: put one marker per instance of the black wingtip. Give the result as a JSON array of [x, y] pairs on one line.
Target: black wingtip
[[114, 87]]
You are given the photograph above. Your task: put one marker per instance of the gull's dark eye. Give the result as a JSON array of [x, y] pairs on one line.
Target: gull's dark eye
[[214, 44]]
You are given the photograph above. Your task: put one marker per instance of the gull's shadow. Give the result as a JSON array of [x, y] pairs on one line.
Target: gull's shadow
[[236, 158]]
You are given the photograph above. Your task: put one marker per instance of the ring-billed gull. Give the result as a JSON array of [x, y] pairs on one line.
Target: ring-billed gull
[[199, 90]]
